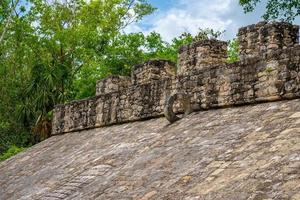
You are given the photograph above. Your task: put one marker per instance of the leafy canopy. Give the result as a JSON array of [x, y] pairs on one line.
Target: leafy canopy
[[48, 50], [284, 10]]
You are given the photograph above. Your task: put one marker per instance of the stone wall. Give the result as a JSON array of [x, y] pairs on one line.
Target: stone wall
[[262, 37], [112, 84], [200, 55], [152, 70], [204, 76]]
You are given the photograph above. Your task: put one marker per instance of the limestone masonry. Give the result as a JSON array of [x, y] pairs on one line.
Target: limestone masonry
[[267, 71]]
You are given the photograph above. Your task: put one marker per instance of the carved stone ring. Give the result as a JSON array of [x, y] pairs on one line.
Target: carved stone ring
[[184, 100]]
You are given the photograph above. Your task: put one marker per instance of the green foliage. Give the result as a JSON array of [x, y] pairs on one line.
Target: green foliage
[[171, 52], [13, 150], [284, 10], [11, 134], [233, 51], [207, 34], [53, 52]]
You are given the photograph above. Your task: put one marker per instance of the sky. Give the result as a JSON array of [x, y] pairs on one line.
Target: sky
[[174, 17]]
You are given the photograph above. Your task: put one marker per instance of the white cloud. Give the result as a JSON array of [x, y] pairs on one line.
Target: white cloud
[[188, 15], [133, 28], [177, 21]]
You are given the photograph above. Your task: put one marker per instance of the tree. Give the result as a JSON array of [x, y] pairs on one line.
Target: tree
[[207, 34], [284, 10], [74, 36], [233, 51], [46, 48]]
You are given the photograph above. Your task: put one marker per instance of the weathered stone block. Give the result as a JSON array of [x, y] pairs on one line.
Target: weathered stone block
[[201, 55], [153, 70], [262, 37], [112, 84]]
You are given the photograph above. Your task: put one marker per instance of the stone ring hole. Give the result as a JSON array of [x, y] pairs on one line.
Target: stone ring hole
[[184, 99]]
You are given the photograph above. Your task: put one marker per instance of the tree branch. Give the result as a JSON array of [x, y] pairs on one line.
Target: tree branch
[[8, 20]]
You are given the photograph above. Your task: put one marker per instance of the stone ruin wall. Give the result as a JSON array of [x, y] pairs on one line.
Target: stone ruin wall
[[263, 37], [269, 70]]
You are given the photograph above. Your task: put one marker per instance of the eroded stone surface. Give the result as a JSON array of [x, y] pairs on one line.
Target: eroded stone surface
[[183, 100], [152, 70], [266, 36], [201, 55], [112, 84], [250, 152]]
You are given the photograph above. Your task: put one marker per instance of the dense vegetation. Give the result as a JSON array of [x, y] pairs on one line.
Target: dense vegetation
[[53, 51]]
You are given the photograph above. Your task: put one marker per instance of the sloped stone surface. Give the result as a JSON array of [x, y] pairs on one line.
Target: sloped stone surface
[[249, 152]]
